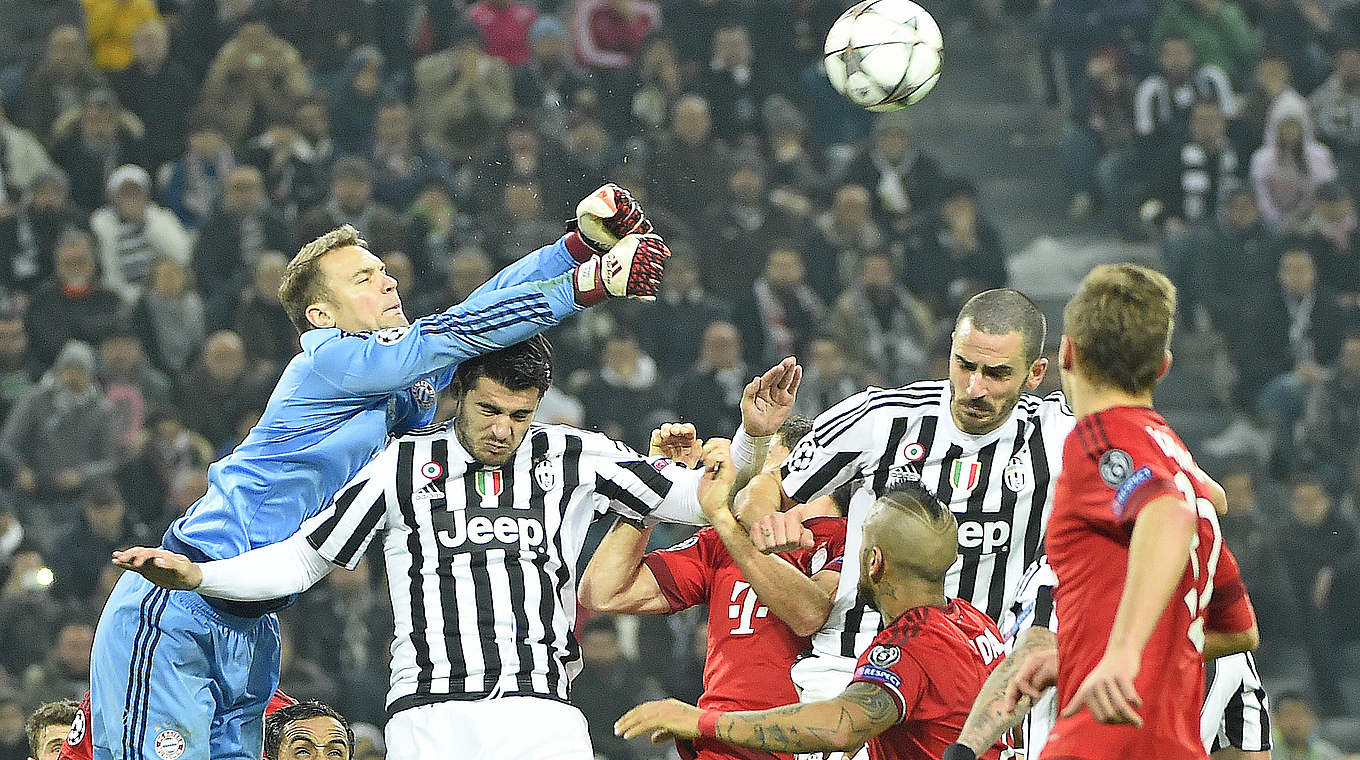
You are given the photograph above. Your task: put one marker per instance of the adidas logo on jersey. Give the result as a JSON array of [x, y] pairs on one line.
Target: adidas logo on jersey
[[428, 492]]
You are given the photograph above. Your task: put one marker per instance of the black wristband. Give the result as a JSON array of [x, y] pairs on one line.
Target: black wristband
[[958, 752]]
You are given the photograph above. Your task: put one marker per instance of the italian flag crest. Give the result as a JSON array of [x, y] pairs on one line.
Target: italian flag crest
[[490, 483], [963, 475]]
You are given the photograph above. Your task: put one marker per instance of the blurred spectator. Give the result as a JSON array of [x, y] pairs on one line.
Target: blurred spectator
[[60, 83], [24, 159], [435, 228], [1083, 28], [1186, 180], [65, 672], [795, 168], [904, 180], [72, 305], [131, 384], [220, 389], [781, 313], [1250, 529], [1334, 235], [828, 378], [526, 155], [589, 152], [32, 615], [659, 84], [709, 394], [300, 675], [100, 138], [104, 524], [171, 317], [111, 24], [609, 33], [735, 83], [159, 90], [952, 250], [1162, 102], [1292, 29], [1288, 169], [1234, 259], [621, 395], [681, 312], [258, 317], [256, 77], [741, 226], [521, 226], [351, 202], [609, 684], [504, 25], [356, 100], [61, 435], [295, 158], [1271, 88], [19, 370], [28, 24], [879, 323], [1336, 109], [231, 239], [13, 738], [1097, 143], [28, 238], [133, 232], [1317, 543], [845, 234], [461, 96], [689, 165], [544, 84], [192, 184], [468, 268], [1294, 734], [161, 463], [700, 19], [1217, 29], [1331, 424], [402, 165], [203, 26], [325, 32]]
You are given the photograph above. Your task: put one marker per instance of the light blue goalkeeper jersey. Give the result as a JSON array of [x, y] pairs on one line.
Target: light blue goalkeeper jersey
[[338, 400]]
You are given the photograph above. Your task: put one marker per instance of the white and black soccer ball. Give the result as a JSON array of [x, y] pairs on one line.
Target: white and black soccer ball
[[884, 55]]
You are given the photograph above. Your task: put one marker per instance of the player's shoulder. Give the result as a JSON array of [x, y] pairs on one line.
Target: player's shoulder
[[428, 432], [703, 540], [874, 405], [590, 443], [1053, 406]]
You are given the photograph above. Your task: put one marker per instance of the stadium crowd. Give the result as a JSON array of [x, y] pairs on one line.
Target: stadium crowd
[[161, 161]]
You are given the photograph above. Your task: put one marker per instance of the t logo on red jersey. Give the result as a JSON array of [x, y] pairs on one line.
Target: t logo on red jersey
[[747, 610]]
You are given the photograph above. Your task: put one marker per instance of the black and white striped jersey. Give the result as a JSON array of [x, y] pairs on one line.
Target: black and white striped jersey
[[481, 562], [999, 486], [1236, 711]]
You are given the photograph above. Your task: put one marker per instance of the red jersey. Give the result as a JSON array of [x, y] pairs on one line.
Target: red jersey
[[1115, 462], [750, 650], [79, 745], [932, 661]]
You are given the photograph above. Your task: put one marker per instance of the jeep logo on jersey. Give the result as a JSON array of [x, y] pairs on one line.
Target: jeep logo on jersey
[[964, 473], [988, 535], [423, 393], [481, 530]]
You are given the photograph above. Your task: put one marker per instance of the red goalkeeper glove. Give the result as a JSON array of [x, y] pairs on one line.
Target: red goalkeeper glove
[[631, 269], [608, 215]]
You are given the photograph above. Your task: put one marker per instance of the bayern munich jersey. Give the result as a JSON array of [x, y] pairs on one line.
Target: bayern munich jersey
[[1236, 710], [933, 661], [80, 746], [1117, 461], [338, 399], [998, 485], [481, 562], [750, 650]]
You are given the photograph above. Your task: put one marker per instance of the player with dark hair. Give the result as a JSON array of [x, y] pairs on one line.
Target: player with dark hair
[[307, 730], [1134, 538], [484, 518], [750, 650], [911, 689], [180, 674], [47, 728]]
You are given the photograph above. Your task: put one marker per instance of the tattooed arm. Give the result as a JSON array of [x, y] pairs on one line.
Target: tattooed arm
[[990, 719], [859, 714]]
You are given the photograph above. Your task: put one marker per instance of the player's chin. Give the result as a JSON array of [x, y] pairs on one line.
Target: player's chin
[[394, 318]]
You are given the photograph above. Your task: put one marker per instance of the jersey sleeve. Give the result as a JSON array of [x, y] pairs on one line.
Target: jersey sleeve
[[828, 546], [553, 260], [684, 571], [393, 358], [341, 532], [1230, 609], [1033, 606], [642, 487], [887, 665], [833, 452], [1129, 464]]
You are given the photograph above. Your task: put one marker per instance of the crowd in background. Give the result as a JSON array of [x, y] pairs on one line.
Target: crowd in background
[[160, 161]]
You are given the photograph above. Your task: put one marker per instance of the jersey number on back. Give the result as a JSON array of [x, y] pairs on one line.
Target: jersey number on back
[[1195, 600]]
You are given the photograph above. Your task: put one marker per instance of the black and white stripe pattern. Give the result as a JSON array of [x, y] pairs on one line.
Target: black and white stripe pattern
[[1236, 709], [481, 562], [999, 486]]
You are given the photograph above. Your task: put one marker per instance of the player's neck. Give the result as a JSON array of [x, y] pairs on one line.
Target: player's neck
[[1087, 398], [895, 597]]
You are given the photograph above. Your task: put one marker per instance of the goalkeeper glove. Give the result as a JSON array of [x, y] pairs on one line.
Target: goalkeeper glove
[[608, 215], [631, 269]]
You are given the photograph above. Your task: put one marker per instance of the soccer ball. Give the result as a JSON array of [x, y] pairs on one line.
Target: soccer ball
[[884, 55]]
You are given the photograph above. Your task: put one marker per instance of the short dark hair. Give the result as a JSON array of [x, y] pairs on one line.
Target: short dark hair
[[523, 365], [276, 722], [793, 430], [909, 495], [1005, 310], [59, 713]]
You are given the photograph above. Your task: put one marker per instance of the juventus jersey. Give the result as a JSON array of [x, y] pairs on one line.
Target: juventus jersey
[[999, 486], [481, 562]]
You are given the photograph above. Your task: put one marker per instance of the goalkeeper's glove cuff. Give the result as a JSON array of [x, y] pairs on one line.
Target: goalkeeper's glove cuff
[[959, 752], [577, 245]]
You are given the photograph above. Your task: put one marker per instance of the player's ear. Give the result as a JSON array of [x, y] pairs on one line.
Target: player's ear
[[1066, 354], [320, 316], [1166, 365], [1036, 373]]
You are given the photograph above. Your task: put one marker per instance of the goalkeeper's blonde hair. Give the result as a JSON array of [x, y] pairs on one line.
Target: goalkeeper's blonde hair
[[303, 281]]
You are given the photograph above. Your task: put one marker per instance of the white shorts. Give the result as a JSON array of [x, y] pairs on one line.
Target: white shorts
[[820, 678], [490, 729]]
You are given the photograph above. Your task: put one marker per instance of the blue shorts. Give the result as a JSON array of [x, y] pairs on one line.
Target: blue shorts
[[173, 678]]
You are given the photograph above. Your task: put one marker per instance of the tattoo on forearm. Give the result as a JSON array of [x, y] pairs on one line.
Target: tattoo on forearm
[[989, 719], [857, 715]]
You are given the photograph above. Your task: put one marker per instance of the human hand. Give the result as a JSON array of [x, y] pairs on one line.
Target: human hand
[[663, 720], [163, 568], [767, 401], [678, 441], [781, 532], [1109, 692]]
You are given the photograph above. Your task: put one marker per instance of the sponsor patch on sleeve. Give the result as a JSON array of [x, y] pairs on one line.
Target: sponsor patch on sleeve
[[1126, 489], [878, 675]]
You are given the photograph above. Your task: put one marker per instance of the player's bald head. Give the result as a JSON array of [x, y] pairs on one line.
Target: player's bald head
[[917, 535]]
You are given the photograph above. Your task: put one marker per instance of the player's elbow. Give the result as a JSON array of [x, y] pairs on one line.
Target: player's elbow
[[848, 739], [810, 618]]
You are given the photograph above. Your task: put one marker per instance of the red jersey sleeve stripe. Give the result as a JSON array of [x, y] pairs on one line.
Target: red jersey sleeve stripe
[[666, 580]]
